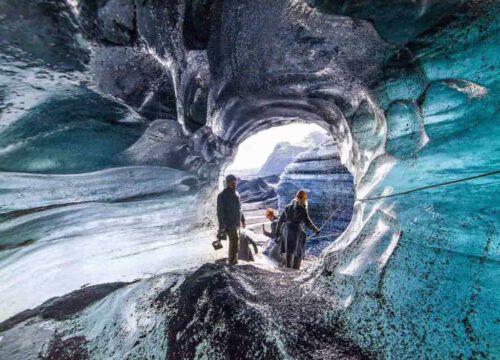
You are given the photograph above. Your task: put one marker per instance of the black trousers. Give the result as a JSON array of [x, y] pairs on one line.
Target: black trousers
[[234, 237]]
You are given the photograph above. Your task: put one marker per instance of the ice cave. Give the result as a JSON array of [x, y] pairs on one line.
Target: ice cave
[[118, 119]]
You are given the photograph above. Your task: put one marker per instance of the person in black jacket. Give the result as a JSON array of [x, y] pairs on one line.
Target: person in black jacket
[[291, 226], [230, 216]]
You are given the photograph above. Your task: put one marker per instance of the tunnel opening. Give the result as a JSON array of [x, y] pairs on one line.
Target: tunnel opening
[[272, 164], [408, 92]]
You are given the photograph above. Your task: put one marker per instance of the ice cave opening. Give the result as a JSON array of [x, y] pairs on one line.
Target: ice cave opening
[[274, 163], [118, 118]]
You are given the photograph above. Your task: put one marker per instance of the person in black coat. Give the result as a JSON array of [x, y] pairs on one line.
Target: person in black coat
[[291, 225], [230, 216]]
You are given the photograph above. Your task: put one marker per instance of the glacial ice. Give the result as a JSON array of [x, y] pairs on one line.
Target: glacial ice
[[106, 230], [116, 121]]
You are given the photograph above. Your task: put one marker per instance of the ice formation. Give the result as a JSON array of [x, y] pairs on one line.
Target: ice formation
[[118, 116]]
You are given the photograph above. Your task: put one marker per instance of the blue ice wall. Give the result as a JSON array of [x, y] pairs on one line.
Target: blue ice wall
[[88, 192], [112, 112], [418, 274], [73, 131]]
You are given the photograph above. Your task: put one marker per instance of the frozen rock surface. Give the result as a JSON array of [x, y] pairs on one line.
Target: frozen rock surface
[[95, 94], [257, 189], [284, 153]]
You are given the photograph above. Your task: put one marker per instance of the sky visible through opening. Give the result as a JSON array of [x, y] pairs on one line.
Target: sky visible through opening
[[254, 151]]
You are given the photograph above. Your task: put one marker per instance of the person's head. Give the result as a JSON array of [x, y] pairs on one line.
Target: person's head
[[231, 182], [301, 198], [270, 214]]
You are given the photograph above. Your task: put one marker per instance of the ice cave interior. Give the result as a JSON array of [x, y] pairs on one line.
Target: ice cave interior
[[119, 116]]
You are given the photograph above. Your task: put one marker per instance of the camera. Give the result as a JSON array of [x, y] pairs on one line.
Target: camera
[[217, 245]]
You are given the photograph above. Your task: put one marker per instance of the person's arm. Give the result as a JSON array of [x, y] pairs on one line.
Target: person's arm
[[220, 212], [309, 222]]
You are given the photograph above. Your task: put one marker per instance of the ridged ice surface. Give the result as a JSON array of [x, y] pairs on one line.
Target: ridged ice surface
[[66, 231], [117, 117], [428, 261]]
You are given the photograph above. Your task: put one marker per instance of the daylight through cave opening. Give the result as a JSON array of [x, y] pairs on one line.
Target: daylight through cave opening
[[112, 141], [274, 163]]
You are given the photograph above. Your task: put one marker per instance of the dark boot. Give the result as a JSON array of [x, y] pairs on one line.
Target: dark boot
[[296, 262]]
